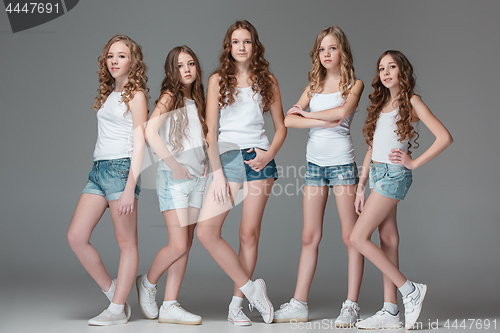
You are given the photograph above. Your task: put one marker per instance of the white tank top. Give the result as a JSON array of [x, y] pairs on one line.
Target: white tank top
[[242, 123], [385, 138], [192, 157], [115, 130], [330, 146]]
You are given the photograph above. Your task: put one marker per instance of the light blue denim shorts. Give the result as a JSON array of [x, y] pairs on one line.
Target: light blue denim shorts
[[179, 193], [346, 174], [109, 177], [233, 166], [390, 180]]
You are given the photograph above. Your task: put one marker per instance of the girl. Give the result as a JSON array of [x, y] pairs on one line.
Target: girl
[[392, 117], [121, 107], [180, 117], [242, 88], [332, 94]]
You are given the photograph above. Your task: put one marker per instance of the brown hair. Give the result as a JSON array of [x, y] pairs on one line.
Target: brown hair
[[261, 76], [318, 72], [172, 85], [381, 96], [137, 79]]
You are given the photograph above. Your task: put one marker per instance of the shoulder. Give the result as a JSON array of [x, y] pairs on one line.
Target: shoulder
[[214, 79], [166, 98], [139, 97], [358, 85], [416, 101]]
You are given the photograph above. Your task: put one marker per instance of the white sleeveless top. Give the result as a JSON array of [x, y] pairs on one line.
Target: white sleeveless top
[[114, 129], [385, 138], [192, 157], [242, 123], [330, 146]]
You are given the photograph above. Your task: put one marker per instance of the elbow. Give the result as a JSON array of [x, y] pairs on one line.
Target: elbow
[[287, 122], [449, 141]]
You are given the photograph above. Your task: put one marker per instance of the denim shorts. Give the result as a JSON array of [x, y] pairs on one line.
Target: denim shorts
[[346, 174], [236, 171], [269, 171], [179, 193], [390, 180], [109, 177]]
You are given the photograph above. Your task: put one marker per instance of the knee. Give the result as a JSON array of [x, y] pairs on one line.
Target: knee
[[205, 236], [180, 248], [355, 241], [249, 238], [126, 243], [311, 238], [75, 240], [389, 240], [347, 241]]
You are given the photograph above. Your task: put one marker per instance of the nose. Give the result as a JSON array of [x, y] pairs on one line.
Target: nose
[[242, 46], [114, 60]]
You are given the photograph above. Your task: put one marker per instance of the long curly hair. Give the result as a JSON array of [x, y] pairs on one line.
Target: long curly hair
[[259, 66], [381, 95], [318, 72], [172, 85], [137, 79]]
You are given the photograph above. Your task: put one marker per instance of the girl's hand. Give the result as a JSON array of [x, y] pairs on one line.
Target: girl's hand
[[261, 159], [126, 203], [399, 156], [359, 202], [221, 189], [297, 109], [181, 173]]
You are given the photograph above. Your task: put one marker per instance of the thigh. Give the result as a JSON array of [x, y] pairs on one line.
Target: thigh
[[213, 213], [88, 212], [177, 231], [314, 203], [375, 211], [257, 194], [344, 198], [126, 224]]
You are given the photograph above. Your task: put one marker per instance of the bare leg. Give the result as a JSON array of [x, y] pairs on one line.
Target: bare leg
[[88, 212], [209, 234], [344, 197], [314, 203], [126, 236], [389, 243], [376, 210], [251, 219]]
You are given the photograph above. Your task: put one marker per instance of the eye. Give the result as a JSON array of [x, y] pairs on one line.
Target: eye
[[381, 69], [191, 63], [248, 42], [321, 49], [180, 66], [122, 56], [333, 48], [235, 42], [393, 66], [110, 56]]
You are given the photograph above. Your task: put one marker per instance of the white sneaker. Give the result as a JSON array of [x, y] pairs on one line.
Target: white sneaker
[[237, 317], [294, 310], [147, 298], [380, 320], [106, 318], [258, 299], [349, 315], [413, 304], [128, 309], [175, 314]]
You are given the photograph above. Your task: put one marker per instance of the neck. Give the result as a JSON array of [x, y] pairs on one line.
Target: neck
[[394, 95], [333, 73], [120, 83], [187, 91]]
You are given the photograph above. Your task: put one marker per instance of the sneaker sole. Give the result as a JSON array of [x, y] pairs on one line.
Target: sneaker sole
[[139, 299], [107, 323], [271, 308], [180, 322], [381, 328], [408, 327], [345, 325], [239, 323], [288, 320]]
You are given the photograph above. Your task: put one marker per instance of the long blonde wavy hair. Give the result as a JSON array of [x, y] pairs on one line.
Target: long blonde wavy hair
[[137, 79], [318, 72], [172, 85], [259, 66], [381, 95]]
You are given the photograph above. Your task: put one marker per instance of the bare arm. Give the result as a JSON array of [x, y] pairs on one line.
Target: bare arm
[[443, 137]]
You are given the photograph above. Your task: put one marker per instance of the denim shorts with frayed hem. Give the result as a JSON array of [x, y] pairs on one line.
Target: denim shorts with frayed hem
[[109, 177], [390, 180], [179, 193], [346, 174]]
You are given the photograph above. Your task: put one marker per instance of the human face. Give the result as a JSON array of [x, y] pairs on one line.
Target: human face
[[329, 54], [241, 45], [118, 60], [389, 72], [187, 69]]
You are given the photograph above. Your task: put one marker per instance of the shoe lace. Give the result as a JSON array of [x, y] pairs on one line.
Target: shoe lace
[[257, 305], [151, 294], [346, 311], [238, 311], [178, 306]]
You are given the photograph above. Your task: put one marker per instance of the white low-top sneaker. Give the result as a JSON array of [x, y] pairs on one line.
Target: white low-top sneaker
[[294, 310], [413, 304], [237, 317], [147, 298], [128, 309], [106, 318], [175, 314], [349, 315], [257, 296], [380, 320]]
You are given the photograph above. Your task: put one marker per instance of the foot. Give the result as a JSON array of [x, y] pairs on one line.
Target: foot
[[381, 320], [294, 310], [175, 314], [349, 315], [237, 317], [413, 304], [147, 298], [106, 318], [257, 296]]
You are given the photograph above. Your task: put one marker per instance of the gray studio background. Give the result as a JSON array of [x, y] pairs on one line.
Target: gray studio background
[[449, 223]]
